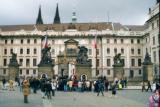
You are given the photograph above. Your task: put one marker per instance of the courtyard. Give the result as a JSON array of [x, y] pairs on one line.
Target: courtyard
[[124, 98]]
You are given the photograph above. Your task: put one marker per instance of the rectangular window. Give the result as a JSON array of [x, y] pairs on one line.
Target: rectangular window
[[108, 41], [90, 60], [20, 71], [34, 71], [123, 62], [138, 41], [97, 72], [28, 51], [5, 62], [11, 50], [4, 71], [5, 51], [108, 62], [139, 62], [21, 41], [108, 51], [152, 26], [97, 51], [154, 56], [21, 62], [34, 62], [132, 41], [132, 51], [115, 50], [53, 42], [139, 51], [27, 71], [6, 41], [35, 51], [28, 41], [154, 40], [21, 51], [115, 41], [53, 51], [35, 41], [108, 72], [12, 41], [97, 63], [140, 72], [90, 51], [122, 41], [27, 62], [133, 62], [122, 51]]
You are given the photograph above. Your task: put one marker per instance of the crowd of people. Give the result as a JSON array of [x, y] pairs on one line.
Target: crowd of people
[[49, 86]]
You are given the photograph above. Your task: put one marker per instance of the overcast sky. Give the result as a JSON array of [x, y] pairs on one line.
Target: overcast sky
[[135, 12]]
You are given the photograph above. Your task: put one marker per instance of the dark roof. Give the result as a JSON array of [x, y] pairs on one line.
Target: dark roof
[[136, 27]]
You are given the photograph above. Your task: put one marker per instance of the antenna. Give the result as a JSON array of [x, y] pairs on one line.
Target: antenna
[[108, 17]]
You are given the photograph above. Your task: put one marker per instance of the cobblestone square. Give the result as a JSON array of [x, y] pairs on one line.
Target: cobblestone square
[[124, 98]]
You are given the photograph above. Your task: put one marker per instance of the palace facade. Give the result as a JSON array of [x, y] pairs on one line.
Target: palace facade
[[132, 41]]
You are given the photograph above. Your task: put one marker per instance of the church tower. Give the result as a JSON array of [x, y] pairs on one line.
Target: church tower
[[74, 18], [39, 18], [57, 18]]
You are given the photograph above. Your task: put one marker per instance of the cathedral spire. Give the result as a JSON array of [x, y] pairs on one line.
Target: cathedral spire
[[39, 18], [57, 18]]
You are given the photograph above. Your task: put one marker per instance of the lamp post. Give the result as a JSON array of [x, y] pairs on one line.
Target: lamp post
[[158, 1]]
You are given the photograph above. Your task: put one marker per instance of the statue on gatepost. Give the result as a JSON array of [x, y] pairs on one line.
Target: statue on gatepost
[[117, 60], [13, 60], [46, 56], [147, 59], [82, 57]]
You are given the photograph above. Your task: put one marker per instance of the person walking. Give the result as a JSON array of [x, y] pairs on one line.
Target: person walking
[[11, 88], [100, 87], [143, 86], [154, 99], [26, 90], [4, 83], [53, 84], [114, 89], [149, 86]]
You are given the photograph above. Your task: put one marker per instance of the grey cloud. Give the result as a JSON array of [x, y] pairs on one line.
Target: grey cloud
[[123, 11]]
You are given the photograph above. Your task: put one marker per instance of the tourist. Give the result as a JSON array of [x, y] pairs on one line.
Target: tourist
[[100, 87], [4, 83], [48, 89], [149, 86], [143, 86], [106, 85], [42, 86], [114, 89], [53, 84], [11, 87], [154, 99], [26, 90]]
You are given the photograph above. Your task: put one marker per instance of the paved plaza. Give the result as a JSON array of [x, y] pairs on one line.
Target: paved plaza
[[124, 98]]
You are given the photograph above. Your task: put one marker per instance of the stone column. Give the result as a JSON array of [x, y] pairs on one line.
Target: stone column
[[118, 72], [45, 69], [13, 72]]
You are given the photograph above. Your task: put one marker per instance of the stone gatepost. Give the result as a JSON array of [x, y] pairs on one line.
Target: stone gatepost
[[118, 70], [147, 68], [83, 70], [46, 66], [13, 67], [83, 65]]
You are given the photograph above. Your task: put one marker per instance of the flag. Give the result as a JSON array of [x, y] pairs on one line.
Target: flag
[[44, 42], [95, 42]]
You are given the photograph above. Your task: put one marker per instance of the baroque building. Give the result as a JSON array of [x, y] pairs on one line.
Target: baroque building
[[132, 41]]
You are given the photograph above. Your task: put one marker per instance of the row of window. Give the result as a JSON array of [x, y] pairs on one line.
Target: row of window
[[131, 73], [108, 62], [28, 41], [115, 51], [21, 51], [20, 72], [132, 41], [21, 62]]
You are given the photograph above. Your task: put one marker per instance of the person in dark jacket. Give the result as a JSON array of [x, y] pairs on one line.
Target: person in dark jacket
[[100, 87], [48, 89]]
